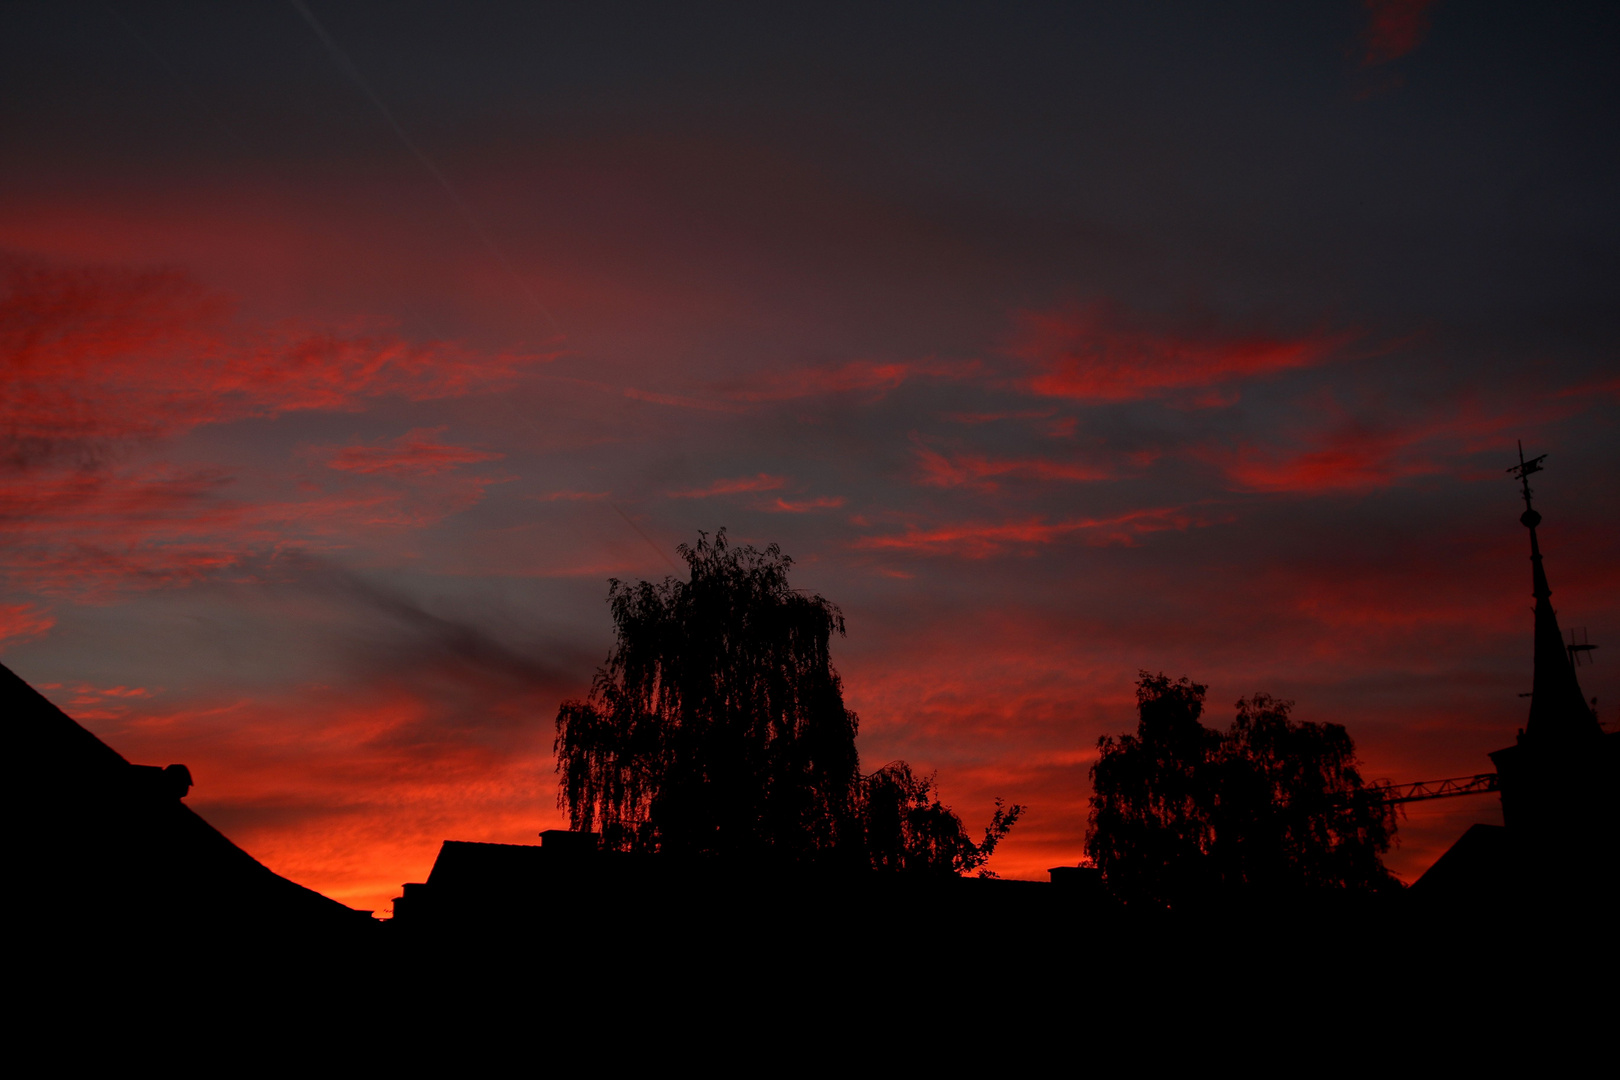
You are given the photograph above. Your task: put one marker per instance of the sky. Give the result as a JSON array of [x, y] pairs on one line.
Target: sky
[[349, 349]]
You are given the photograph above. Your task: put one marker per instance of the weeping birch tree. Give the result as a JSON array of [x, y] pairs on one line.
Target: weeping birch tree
[[717, 728]]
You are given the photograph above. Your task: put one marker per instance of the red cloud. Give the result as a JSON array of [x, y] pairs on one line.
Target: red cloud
[[415, 453], [1394, 28], [855, 376], [570, 496], [992, 417], [858, 376], [977, 540], [803, 506], [761, 482], [91, 533], [92, 356], [106, 354], [1601, 386], [1094, 353], [979, 473], [19, 622], [1349, 465], [1353, 606], [680, 401], [1344, 455]]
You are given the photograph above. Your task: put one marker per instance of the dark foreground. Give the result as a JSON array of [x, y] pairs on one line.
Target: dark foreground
[[914, 972], [138, 934]]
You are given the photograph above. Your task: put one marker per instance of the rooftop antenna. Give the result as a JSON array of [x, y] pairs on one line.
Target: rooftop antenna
[[1579, 651], [1522, 472]]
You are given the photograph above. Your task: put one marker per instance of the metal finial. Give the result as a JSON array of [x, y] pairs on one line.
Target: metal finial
[[1522, 472]]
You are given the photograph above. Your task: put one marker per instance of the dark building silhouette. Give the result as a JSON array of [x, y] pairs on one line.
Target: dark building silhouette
[[1559, 782], [102, 845], [570, 889], [473, 882]]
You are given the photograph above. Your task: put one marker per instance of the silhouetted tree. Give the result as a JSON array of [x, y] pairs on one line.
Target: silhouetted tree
[[1178, 809], [1150, 795], [1291, 809], [718, 724], [717, 727]]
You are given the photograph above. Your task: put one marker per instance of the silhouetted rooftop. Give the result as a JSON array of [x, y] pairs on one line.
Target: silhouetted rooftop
[[103, 841]]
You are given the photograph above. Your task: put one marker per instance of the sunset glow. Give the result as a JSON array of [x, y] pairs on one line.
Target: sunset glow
[[1194, 342]]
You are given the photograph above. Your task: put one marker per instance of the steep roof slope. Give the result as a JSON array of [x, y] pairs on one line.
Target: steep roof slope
[[101, 842]]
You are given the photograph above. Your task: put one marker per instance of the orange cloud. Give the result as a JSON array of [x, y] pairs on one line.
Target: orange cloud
[[350, 788], [1096, 353], [353, 813], [415, 453]]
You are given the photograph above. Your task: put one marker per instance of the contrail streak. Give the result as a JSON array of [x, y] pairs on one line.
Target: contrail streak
[[342, 60], [348, 68], [644, 536]]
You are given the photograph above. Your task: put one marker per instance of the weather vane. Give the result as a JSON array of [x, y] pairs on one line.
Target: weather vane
[[1580, 650], [1522, 472]]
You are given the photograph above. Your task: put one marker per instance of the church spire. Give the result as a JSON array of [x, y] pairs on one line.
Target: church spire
[[1557, 709]]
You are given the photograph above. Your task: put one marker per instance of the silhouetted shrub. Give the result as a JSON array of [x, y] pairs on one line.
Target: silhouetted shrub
[[906, 827]]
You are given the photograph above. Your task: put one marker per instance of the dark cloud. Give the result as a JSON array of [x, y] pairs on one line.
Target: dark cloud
[[418, 645]]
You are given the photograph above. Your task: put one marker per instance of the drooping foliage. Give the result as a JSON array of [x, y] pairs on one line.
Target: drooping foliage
[[718, 724], [1179, 810], [717, 728]]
